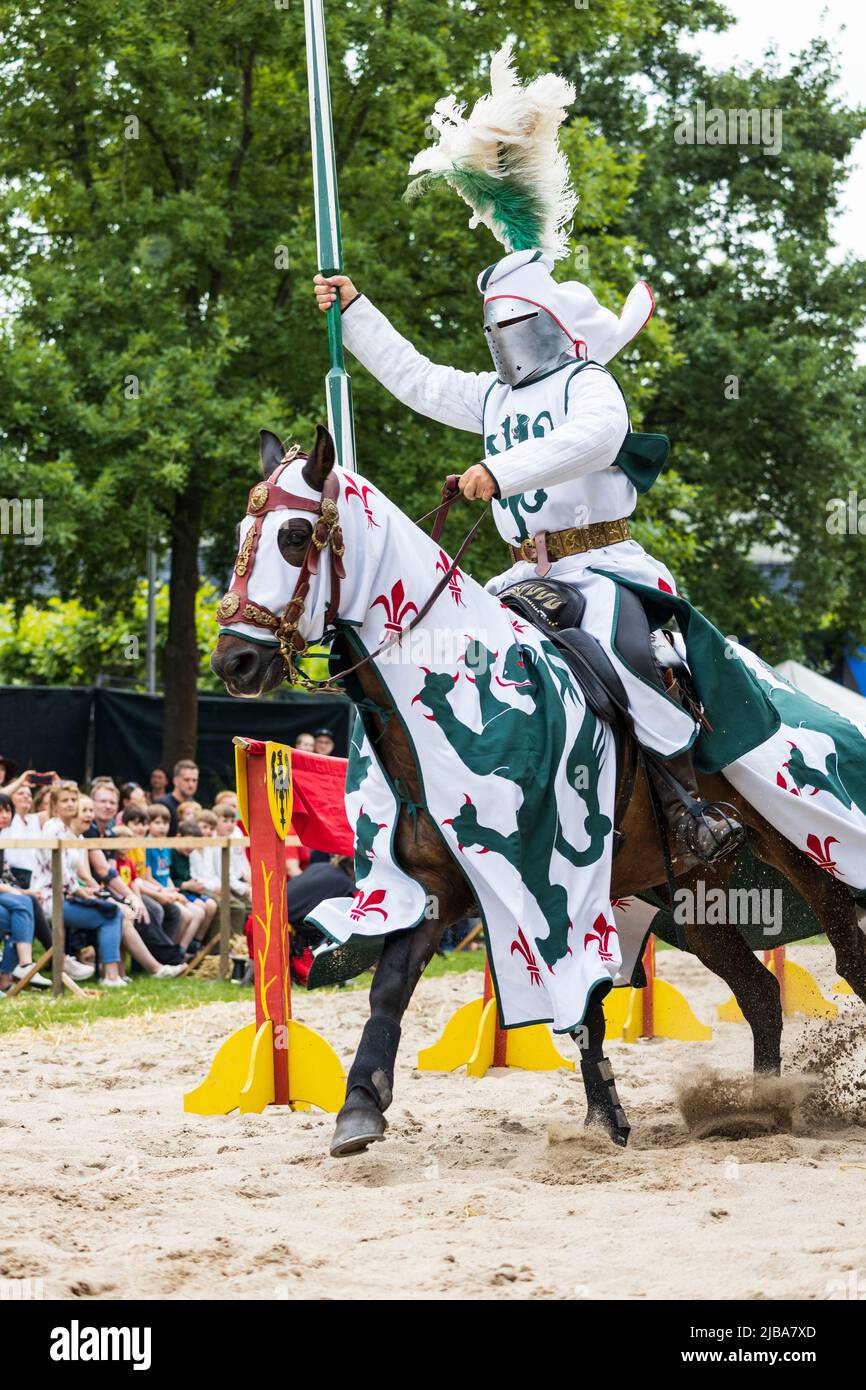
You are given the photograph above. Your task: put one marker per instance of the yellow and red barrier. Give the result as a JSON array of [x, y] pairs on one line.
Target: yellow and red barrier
[[276, 1060]]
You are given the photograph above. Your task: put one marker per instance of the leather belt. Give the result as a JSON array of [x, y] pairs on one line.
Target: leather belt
[[548, 546]]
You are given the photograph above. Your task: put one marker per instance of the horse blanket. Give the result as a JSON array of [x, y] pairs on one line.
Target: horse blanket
[[518, 775]]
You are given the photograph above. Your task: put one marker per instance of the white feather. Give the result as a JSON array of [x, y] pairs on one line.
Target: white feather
[[511, 132]]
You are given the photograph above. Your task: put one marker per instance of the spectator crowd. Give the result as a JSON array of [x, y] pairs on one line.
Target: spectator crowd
[[143, 910]]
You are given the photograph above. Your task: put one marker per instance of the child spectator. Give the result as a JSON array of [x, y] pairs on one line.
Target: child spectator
[[206, 866], [194, 892], [186, 917]]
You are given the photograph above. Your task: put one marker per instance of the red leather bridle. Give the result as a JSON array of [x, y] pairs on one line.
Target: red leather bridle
[[236, 605]]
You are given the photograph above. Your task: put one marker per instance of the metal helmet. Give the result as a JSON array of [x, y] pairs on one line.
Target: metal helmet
[[524, 339]]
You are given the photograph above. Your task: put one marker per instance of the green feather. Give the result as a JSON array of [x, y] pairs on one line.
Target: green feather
[[517, 212]]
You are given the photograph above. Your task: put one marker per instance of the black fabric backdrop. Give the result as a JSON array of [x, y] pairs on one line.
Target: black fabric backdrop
[[47, 727]]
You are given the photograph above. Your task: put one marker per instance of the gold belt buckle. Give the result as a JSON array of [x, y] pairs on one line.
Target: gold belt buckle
[[528, 552]]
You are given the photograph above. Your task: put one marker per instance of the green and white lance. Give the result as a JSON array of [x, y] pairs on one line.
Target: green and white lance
[[328, 241]]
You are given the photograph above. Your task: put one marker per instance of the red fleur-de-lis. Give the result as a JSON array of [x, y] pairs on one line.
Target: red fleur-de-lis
[[443, 564], [351, 489], [362, 906], [523, 948], [602, 931], [819, 850], [665, 587], [397, 607]]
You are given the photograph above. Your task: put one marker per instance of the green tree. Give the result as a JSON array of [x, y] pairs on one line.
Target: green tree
[[157, 246]]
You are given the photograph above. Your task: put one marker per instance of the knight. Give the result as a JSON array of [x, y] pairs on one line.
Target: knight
[[562, 466]]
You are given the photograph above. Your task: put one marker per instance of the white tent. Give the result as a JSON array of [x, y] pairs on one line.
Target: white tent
[[837, 697]]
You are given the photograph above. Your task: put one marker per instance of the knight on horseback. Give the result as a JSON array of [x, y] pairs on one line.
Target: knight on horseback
[[561, 464]]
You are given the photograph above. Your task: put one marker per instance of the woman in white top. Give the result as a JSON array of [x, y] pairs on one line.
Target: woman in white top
[[84, 909], [16, 923], [24, 825]]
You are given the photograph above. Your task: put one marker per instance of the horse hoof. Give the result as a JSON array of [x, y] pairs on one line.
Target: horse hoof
[[356, 1129], [616, 1127]]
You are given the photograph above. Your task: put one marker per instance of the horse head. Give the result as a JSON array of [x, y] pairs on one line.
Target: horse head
[[289, 527]]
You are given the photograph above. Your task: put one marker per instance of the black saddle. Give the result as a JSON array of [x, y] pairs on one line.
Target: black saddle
[[557, 609]]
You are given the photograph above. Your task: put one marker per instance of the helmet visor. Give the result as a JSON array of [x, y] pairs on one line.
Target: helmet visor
[[523, 338]]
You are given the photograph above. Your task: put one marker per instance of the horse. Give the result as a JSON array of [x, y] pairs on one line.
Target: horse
[[305, 538]]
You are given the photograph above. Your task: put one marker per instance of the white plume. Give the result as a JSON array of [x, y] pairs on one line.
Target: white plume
[[510, 137]]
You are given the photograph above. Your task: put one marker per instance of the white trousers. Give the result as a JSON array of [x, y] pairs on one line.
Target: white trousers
[[661, 724]]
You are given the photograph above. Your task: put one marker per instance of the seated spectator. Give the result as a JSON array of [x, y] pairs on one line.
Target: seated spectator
[[158, 783], [132, 794], [20, 863], [8, 770], [157, 881], [324, 743], [305, 743], [16, 933], [206, 869], [85, 908], [181, 875], [150, 947], [101, 810], [131, 823], [184, 787], [226, 798], [17, 921], [228, 828]]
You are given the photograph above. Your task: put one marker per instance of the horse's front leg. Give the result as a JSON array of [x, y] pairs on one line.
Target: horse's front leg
[[370, 1082], [603, 1106]]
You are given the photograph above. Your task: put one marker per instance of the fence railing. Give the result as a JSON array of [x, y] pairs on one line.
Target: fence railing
[[117, 844]]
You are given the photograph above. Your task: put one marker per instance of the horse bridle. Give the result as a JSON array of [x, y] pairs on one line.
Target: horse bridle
[[266, 497], [236, 605]]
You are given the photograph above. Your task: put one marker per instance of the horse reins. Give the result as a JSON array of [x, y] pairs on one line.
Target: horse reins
[[266, 497]]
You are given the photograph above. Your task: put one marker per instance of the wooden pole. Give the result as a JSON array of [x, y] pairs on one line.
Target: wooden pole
[[648, 1001], [57, 933], [329, 246], [225, 909], [31, 971]]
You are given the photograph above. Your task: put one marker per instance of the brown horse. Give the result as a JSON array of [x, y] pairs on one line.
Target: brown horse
[[249, 667]]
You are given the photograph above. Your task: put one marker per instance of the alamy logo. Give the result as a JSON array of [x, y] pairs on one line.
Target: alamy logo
[[737, 126], [22, 516], [77, 1343]]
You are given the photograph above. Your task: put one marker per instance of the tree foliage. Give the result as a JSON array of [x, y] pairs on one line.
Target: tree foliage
[[157, 246]]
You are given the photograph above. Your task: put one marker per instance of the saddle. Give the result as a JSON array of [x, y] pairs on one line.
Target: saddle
[[558, 609]]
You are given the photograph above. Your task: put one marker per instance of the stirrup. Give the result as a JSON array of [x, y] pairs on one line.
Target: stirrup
[[726, 839]]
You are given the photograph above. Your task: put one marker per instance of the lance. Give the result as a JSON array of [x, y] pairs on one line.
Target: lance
[[329, 246]]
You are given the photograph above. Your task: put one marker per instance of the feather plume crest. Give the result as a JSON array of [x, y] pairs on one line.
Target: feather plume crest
[[504, 159]]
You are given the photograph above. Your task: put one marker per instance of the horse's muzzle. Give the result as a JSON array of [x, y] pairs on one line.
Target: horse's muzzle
[[247, 668]]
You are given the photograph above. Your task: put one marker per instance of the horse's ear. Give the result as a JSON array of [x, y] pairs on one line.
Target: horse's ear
[[321, 460], [271, 452]]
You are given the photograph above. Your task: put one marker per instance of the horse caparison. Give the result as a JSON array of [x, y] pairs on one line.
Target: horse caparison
[[637, 867]]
